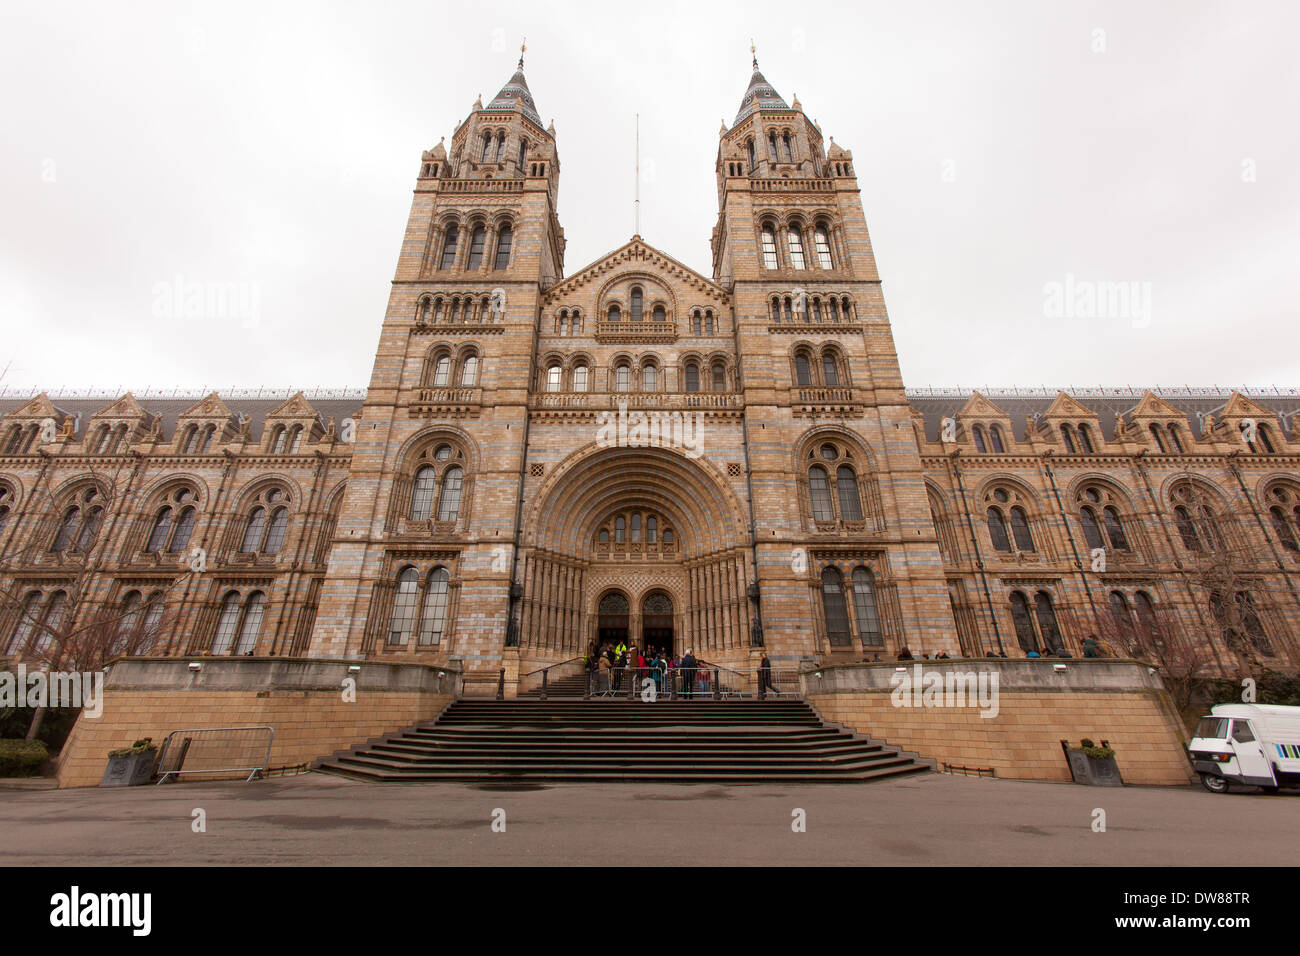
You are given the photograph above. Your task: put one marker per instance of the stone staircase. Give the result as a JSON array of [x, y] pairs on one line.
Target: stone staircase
[[616, 740]]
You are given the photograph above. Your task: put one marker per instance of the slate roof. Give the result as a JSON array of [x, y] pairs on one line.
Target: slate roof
[[768, 98]]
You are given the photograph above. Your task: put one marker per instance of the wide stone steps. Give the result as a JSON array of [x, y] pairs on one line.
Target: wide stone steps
[[618, 740]]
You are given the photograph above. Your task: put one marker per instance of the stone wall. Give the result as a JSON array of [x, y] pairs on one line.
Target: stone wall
[[1037, 706], [301, 699]]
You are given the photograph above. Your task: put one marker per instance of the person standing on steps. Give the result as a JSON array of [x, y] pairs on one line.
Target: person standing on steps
[[765, 677], [688, 665]]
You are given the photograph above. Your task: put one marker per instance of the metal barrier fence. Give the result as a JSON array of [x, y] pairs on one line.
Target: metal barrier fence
[[695, 683], [216, 750]]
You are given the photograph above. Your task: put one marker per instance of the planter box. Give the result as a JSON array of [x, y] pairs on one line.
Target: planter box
[[130, 771], [1103, 772]]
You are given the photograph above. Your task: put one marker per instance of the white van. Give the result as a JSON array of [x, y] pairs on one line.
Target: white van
[[1253, 744]]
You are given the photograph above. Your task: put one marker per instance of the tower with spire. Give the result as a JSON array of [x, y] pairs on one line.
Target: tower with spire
[[815, 350], [436, 468]]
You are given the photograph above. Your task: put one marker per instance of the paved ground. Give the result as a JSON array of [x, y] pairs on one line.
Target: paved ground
[[931, 819]]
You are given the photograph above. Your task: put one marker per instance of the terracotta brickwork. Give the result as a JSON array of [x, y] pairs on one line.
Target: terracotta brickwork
[[633, 449]]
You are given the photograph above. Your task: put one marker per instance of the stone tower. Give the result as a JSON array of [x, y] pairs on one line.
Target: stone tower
[[425, 539], [823, 398]]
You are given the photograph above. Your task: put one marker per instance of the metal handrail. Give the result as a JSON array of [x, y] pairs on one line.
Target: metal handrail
[[580, 657]]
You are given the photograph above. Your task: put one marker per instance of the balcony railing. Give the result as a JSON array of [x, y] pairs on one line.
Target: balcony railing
[[453, 402]]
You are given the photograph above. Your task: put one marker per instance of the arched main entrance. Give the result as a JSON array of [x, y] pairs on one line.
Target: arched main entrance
[[657, 621], [612, 622]]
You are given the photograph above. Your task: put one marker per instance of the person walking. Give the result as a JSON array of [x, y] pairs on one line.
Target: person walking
[[602, 675]]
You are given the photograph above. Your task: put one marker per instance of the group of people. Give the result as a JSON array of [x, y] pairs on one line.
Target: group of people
[[612, 665], [1092, 647]]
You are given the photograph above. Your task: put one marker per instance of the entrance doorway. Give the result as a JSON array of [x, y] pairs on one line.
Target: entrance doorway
[[657, 622], [612, 619]]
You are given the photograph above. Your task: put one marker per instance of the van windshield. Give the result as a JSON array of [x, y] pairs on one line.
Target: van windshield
[[1212, 727]]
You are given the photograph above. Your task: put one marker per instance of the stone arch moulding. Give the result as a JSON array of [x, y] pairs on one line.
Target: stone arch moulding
[[658, 282], [594, 481]]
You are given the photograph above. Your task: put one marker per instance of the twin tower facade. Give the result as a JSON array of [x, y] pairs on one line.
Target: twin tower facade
[[634, 451]]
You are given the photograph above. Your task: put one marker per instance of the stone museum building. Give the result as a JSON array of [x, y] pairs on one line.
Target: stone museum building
[[550, 454]]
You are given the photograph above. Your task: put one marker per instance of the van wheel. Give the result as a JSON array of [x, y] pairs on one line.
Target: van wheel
[[1214, 783]]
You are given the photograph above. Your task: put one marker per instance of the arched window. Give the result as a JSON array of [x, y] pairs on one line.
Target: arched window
[[636, 528], [802, 369], [67, 528], [998, 530], [184, 528], [652, 529], [1159, 439], [822, 238], [476, 240], [1025, 635], [449, 248], [554, 377], [719, 377], [162, 527], [864, 606], [1020, 529], [434, 619], [692, 377], [278, 439], [1114, 529], [749, 144], [422, 495], [697, 325], [449, 503], [469, 372], [1047, 627], [789, 156], [708, 323], [978, 434], [1085, 439], [846, 486], [769, 247], [622, 377], [995, 438], [442, 371], [659, 315], [1186, 529], [190, 443], [613, 313], [580, 378], [649, 379], [1283, 528], [504, 240], [1091, 530], [620, 529], [1146, 615], [834, 609], [275, 532], [819, 491], [1119, 610], [636, 305], [1265, 439], [254, 530], [1175, 439], [252, 623], [830, 369], [1067, 436], [794, 239], [227, 624], [402, 622]]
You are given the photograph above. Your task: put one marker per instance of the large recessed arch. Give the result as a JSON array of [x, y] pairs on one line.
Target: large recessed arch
[[594, 481]]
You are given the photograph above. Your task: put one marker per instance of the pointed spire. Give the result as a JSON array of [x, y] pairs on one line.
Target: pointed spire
[[515, 94], [760, 94], [795, 104]]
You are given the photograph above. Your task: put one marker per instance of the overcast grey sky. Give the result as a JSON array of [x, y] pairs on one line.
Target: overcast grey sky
[[1000, 147]]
